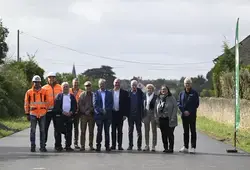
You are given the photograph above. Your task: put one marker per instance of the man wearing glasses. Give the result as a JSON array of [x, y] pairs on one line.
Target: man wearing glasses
[[86, 113]]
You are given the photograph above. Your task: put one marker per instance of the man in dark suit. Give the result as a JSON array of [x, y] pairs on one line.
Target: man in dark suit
[[136, 113], [103, 105], [65, 109], [120, 111]]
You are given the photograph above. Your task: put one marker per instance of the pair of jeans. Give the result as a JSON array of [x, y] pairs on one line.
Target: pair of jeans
[[167, 133], [33, 123], [189, 124], [134, 120], [117, 126]]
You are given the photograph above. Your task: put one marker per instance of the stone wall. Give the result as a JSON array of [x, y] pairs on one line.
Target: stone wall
[[222, 110]]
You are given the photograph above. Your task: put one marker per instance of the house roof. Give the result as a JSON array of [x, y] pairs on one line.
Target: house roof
[[244, 51]]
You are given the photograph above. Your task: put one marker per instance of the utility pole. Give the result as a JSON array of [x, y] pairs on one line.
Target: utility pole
[[18, 57]]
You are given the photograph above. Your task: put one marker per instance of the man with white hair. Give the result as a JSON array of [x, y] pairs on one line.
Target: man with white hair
[[103, 106], [135, 114], [188, 104], [65, 109]]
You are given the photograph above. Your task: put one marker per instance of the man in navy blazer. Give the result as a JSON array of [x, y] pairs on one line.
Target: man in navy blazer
[[65, 109], [103, 105]]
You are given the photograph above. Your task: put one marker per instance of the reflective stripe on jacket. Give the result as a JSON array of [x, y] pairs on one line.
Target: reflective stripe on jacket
[[76, 94], [51, 93], [35, 102]]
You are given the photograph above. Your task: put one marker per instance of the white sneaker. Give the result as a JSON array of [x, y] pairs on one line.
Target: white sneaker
[[146, 148], [183, 149], [192, 150], [153, 148]]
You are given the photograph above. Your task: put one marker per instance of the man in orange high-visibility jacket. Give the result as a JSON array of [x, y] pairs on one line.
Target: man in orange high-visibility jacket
[[35, 105], [76, 92], [52, 90]]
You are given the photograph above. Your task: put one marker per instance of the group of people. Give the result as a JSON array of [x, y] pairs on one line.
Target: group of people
[[68, 107]]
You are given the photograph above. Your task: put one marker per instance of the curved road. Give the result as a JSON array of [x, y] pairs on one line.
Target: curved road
[[211, 154]]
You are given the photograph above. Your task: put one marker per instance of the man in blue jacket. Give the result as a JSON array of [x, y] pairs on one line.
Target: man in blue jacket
[[103, 105], [188, 104]]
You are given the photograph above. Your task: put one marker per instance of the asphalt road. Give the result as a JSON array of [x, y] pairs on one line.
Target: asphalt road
[[211, 154]]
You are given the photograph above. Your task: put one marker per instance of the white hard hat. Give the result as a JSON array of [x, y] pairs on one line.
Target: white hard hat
[[36, 78], [52, 74]]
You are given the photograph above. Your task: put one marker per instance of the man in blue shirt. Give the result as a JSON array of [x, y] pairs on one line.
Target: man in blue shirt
[[103, 105]]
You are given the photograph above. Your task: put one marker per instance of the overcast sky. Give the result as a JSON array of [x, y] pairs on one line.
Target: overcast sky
[[147, 31]]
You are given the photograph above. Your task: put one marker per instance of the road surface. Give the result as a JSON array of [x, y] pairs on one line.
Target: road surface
[[211, 154]]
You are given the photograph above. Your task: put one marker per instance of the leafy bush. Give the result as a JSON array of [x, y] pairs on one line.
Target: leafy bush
[[227, 84], [13, 85], [207, 93], [29, 67]]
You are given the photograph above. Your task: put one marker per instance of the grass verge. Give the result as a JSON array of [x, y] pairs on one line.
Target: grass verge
[[8, 126], [223, 132]]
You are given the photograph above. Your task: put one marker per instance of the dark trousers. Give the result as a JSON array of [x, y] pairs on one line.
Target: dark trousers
[[76, 130], [68, 126], [189, 122], [33, 123], [103, 122], [167, 134], [57, 136], [117, 125], [134, 120]]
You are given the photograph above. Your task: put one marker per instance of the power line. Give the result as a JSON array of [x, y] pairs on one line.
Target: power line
[[65, 62], [149, 69], [108, 58]]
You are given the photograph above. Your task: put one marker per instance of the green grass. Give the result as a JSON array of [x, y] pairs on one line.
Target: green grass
[[9, 126], [224, 132]]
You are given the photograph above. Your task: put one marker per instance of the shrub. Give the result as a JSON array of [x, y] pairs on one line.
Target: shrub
[[13, 85]]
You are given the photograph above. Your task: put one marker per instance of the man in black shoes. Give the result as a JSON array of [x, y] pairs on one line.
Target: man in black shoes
[[103, 105], [135, 114], [65, 109], [120, 110]]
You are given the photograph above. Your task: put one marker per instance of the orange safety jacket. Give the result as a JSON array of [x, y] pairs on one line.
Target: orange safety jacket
[[35, 102], [51, 93], [76, 93]]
